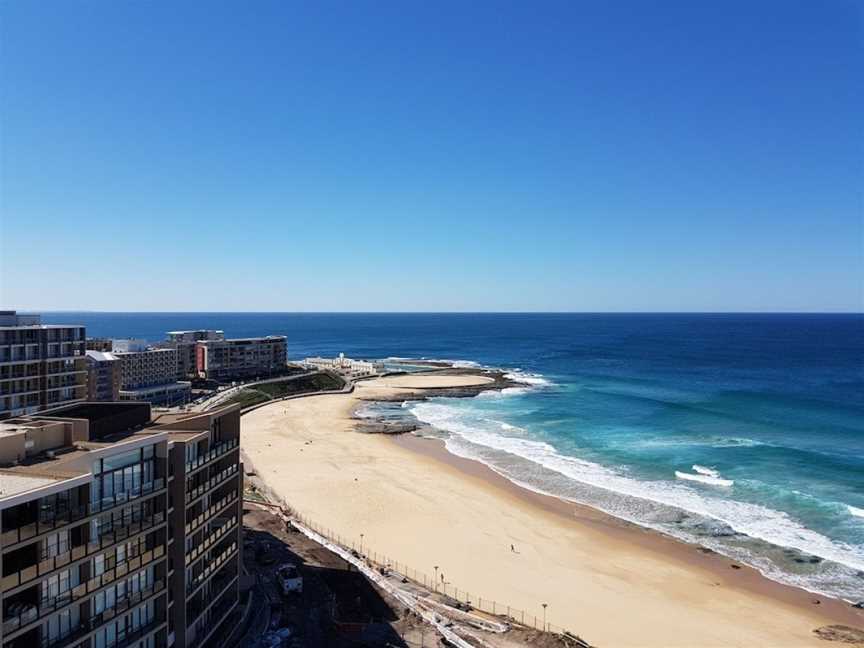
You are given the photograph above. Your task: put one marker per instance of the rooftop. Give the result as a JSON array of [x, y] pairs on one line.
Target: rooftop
[[101, 356], [13, 483]]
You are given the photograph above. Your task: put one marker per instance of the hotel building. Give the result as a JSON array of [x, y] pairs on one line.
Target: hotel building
[[41, 365], [114, 533]]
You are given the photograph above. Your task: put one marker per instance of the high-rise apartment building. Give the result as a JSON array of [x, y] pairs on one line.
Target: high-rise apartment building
[[41, 365], [116, 533]]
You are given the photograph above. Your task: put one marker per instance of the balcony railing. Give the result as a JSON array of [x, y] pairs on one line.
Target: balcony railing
[[211, 539], [211, 511], [211, 568], [211, 483], [78, 592], [105, 540], [75, 513], [124, 637], [129, 601], [216, 451]]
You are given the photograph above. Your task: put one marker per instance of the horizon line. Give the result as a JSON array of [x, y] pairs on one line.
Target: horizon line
[[434, 312]]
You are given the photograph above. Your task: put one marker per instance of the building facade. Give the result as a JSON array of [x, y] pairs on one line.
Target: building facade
[[185, 342], [241, 358], [103, 376], [41, 366], [99, 344], [114, 534], [151, 376], [345, 366]]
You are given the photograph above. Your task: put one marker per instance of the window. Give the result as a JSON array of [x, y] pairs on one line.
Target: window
[[55, 544]]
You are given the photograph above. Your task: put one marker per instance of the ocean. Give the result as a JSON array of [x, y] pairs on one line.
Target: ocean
[[741, 433]]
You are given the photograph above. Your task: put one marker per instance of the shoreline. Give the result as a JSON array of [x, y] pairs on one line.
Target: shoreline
[[627, 568], [742, 575]]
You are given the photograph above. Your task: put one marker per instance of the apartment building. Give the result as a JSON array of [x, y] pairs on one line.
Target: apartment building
[[103, 376], [186, 343], [99, 344], [240, 358], [117, 533], [151, 375], [41, 365], [207, 513]]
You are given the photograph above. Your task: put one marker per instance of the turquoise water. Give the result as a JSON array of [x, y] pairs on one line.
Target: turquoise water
[[760, 416]]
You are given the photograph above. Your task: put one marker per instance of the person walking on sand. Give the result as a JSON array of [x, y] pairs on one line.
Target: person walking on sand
[[512, 548]]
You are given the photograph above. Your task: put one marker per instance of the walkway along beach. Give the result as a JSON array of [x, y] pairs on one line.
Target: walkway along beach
[[613, 583]]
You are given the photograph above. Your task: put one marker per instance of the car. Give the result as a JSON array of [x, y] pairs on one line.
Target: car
[[289, 579]]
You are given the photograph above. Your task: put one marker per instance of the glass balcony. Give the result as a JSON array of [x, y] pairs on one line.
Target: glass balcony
[[211, 483], [32, 613], [223, 526], [210, 512], [214, 453]]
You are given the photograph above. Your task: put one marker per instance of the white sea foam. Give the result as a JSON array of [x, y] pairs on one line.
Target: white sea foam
[[854, 510], [703, 479], [756, 521], [702, 470], [733, 442], [527, 378]]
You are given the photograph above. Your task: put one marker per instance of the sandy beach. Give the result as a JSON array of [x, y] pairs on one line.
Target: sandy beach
[[610, 582]]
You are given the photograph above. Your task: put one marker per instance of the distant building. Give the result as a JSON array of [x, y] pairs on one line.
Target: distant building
[[195, 336], [118, 534], [151, 375], [99, 344], [240, 358], [41, 365], [128, 345], [346, 366], [103, 376], [186, 344]]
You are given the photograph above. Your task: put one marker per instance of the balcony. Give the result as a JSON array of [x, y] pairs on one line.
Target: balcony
[[105, 540], [214, 453], [43, 567], [76, 513], [210, 512], [227, 525], [211, 483], [211, 568], [129, 601]]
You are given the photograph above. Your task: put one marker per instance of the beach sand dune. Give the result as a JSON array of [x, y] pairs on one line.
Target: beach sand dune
[[612, 583]]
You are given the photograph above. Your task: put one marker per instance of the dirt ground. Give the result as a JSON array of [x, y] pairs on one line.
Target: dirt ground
[[339, 607]]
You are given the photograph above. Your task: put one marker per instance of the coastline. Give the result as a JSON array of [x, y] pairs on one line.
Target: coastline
[[611, 581]]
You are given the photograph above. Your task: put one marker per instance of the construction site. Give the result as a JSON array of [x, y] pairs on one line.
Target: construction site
[[302, 589]]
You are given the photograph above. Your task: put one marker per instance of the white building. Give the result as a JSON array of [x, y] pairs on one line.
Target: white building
[[346, 366]]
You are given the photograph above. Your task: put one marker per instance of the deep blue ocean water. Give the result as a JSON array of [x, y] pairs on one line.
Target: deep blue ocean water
[[769, 408]]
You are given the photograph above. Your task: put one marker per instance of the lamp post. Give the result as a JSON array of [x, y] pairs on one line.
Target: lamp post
[[436, 578], [544, 616]]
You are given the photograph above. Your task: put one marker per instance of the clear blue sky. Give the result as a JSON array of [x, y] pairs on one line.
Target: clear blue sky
[[432, 156]]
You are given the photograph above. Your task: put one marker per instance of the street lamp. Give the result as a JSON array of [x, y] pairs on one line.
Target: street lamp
[[544, 616], [436, 578]]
